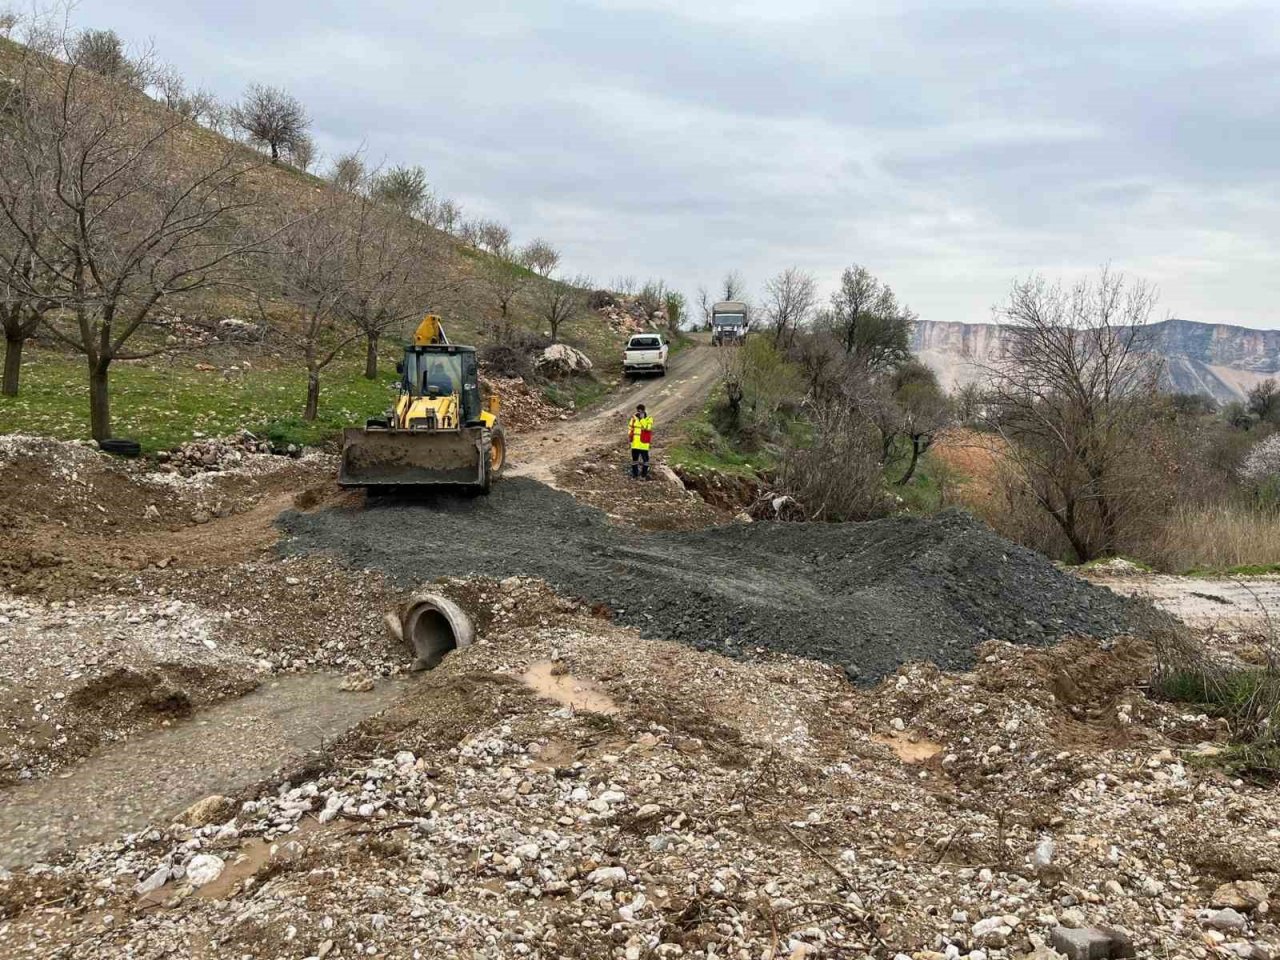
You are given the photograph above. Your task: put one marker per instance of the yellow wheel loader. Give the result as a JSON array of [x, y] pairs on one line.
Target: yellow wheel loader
[[438, 432]]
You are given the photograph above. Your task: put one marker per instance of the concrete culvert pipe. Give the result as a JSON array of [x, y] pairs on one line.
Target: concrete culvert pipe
[[432, 626]]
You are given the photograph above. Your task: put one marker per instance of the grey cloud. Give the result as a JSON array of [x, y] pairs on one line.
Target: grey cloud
[[950, 146]]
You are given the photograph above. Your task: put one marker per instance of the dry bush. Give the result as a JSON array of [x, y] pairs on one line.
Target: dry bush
[[1219, 536], [837, 477], [1247, 697]]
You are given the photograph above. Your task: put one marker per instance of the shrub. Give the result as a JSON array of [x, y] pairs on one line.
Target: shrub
[[1248, 698], [1262, 464], [837, 475]]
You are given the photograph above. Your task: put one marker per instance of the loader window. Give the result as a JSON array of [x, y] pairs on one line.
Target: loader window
[[442, 372], [470, 388]]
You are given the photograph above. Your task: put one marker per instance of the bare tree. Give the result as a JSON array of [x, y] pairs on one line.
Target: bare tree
[[93, 190], [302, 152], [540, 257], [272, 118], [348, 173], [449, 216], [402, 188], [504, 282], [9, 21], [494, 237], [733, 287], [705, 304], [1073, 398], [790, 298], [561, 302], [22, 276], [310, 267], [386, 277], [469, 232]]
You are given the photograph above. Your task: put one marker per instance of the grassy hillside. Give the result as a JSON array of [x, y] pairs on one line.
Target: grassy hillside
[[173, 397]]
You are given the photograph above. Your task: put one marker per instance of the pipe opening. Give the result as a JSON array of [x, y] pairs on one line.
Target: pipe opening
[[432, 637], [433, 627]]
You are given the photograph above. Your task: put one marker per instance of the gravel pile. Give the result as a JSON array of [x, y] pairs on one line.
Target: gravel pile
[[865, 597]]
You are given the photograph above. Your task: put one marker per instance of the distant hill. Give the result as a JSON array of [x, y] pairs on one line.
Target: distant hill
[[1214, 358]]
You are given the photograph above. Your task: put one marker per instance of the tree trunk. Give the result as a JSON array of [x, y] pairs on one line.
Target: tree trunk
[[313, 396], [371, 357], [1066, 519], [12, 365], [911, 467], [99, 401], [275, 152]]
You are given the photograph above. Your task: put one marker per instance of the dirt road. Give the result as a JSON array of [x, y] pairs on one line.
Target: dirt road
[[690, 377], [1217, 603]]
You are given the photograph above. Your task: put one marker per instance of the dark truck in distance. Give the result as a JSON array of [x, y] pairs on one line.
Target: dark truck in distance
[[728, 322]]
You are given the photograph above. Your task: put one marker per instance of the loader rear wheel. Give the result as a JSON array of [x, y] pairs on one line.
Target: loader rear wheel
[[497, 451]]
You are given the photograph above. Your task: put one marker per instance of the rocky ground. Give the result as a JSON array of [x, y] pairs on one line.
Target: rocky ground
[[540, 795], [593, 777]]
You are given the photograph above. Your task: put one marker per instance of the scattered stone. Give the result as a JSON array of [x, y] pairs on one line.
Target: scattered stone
[[1226, 919], [204, 869], [1242, 895], [204, 812]]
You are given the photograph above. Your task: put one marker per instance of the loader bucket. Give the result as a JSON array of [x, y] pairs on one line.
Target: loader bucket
[[408, 458]]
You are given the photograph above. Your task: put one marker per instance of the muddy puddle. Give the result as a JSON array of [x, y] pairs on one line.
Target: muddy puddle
[[547, 680], [155, 776], [909, 750]]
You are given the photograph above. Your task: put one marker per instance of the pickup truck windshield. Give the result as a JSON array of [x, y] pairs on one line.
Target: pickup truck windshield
[[643, 343]]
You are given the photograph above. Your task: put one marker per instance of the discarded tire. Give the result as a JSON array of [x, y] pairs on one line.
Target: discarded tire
[[120, 447]]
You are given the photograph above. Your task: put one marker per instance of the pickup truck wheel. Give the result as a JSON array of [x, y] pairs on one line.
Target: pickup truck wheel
[[662, 372]]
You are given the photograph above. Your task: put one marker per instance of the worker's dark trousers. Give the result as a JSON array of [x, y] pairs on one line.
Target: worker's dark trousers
[[639, 463]]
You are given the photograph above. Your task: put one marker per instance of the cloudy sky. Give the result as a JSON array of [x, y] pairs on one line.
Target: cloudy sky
[[948, 146]]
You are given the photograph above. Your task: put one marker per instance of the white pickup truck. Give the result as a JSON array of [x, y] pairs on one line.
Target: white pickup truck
[[645, 353]]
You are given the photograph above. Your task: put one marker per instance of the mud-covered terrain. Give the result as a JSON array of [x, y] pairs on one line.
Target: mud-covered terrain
[[864, 597], [592, 777], [564, 788]]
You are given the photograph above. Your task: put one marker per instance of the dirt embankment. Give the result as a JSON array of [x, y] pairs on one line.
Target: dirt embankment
[[865, 597]]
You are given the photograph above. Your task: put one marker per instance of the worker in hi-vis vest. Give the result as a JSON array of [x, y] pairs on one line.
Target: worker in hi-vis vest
[[640, 432]]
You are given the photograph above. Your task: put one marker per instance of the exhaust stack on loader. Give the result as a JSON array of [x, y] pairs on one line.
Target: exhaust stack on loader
[[438, 431]]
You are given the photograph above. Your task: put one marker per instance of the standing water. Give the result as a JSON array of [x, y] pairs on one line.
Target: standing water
[[154, 777]]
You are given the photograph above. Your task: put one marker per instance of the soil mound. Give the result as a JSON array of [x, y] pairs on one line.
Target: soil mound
[[866, 597]]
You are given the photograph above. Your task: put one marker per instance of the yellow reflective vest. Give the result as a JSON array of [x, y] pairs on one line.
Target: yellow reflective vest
[[640, 432]]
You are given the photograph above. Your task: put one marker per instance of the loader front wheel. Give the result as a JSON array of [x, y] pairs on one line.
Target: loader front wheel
[[497, 451]]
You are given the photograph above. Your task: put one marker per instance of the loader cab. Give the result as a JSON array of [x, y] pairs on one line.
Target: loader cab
[[441, 370]]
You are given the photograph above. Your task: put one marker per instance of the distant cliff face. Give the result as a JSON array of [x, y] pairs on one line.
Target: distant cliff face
[[1214, 358]]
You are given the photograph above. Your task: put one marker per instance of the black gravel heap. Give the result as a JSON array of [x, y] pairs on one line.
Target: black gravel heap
[[863, 596]]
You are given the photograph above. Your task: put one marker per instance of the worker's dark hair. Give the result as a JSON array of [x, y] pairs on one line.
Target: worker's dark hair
[[640, 406]]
